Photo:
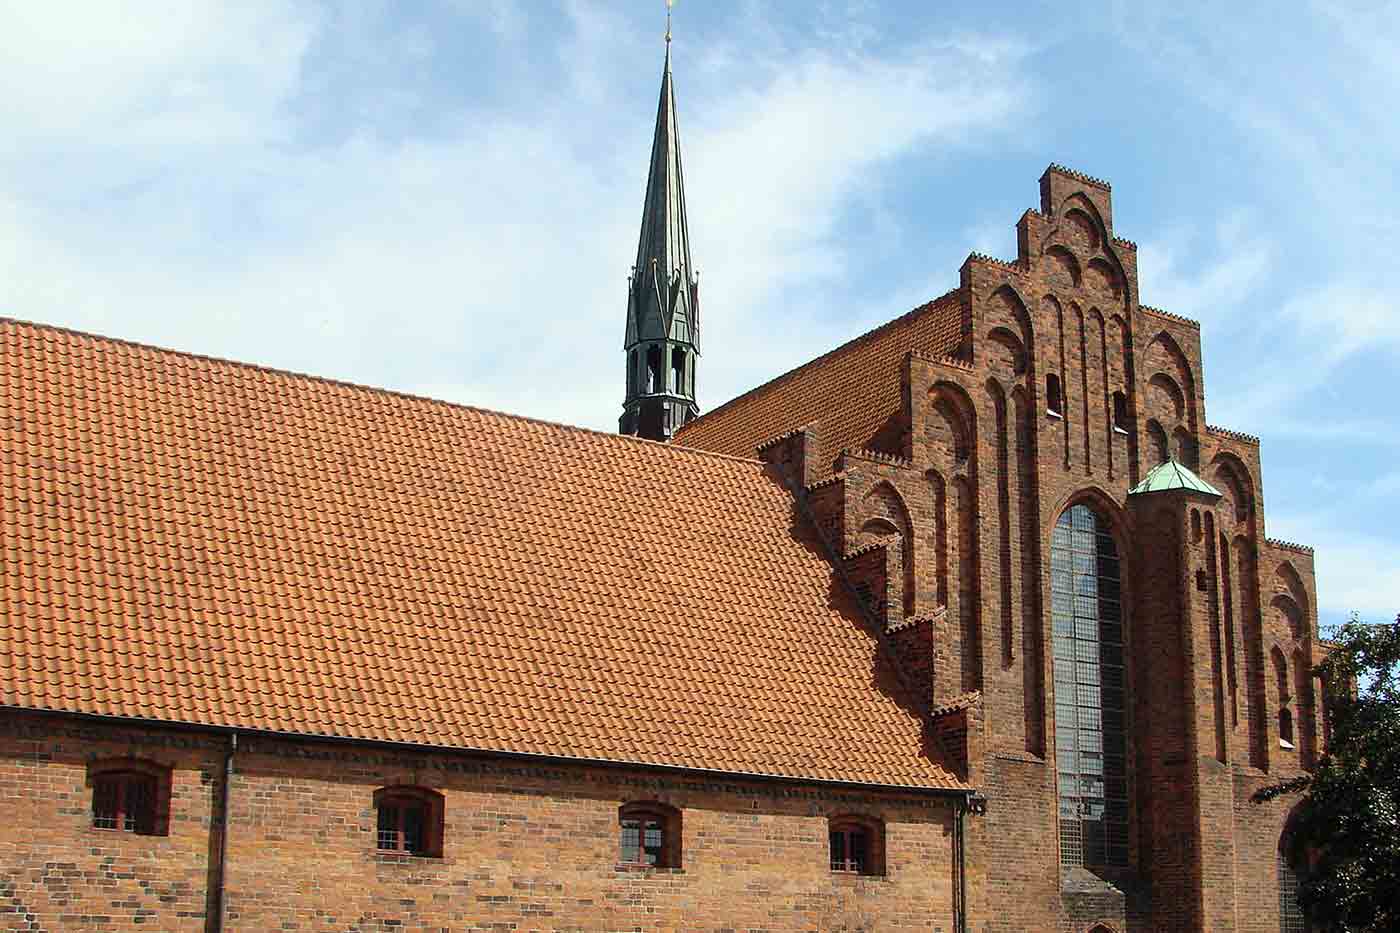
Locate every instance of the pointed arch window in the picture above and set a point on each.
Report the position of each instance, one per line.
(678, 371)
(654, 380)
(1090, 705)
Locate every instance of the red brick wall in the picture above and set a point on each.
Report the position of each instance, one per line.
(528, 847)
(59, 873)
(979, 474)
(962, 490)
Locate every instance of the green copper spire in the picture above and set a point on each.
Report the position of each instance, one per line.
(1173, 475)
(663, 291)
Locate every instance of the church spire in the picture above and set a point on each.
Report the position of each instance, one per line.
(663, 290)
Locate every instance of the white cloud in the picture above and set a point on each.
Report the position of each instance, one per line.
(1327, 328)
(1356, 571)
(1343, 319)
(145, 75)
(1207, 283)
(485, 263)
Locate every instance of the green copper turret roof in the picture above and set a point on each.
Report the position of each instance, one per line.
(1173, 475)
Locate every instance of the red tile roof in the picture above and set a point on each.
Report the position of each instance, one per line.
(187, 539)
(849, 394)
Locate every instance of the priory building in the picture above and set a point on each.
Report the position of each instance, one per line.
(970, 624)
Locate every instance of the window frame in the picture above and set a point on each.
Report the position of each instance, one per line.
(127, 774)
(847, 824)
(403, 797)
(1090, 662)
(668, 819)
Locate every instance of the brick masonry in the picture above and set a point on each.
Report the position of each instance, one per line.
(1221, 621)
(527, 846)
(942, 523)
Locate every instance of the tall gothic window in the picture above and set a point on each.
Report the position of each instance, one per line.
(1091, 748)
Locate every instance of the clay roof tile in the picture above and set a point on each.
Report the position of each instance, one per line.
(289, 553)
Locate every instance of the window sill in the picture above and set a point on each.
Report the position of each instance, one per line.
(632, 868)
(390, 857)
(113, 831)
(1118, 430)
(853, 876)
(1050, 413)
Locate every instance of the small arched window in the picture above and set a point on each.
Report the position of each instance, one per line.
(408, 821)
(1120, 412)
(1054, 398)
(649, 835)
(857, 845)
(131, 796)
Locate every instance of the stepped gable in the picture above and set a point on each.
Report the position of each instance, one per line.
(850, 393)
(198, 541)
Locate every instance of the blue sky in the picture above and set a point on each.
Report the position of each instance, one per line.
(443, 197)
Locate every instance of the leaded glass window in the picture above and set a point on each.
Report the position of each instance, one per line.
(649, 835)
(124, 801)
(1290, 915)
(1090, 726)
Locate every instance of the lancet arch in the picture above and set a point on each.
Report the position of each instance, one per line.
(1091, 682)
(885, 519)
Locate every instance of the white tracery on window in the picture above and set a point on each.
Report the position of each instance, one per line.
(1091, 748)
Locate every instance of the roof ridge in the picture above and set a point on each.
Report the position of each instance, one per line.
(937, 615)
(862, 549)
(978, 256)
(1076, 174)
(779, 438)
(947, 359)
(961, 701)
(831, 480)
(1230, 432)
(363, 387)
(879, 456)
(858, 339)
(1169, 316)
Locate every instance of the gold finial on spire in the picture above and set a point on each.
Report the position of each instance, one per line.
(669, 4)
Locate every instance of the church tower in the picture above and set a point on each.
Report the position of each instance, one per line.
(663, 291)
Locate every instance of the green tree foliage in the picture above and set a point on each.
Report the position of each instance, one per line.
(1345, 837)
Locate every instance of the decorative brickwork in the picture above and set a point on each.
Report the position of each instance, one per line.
(837, 597)
(984, 468)
(528, 846)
